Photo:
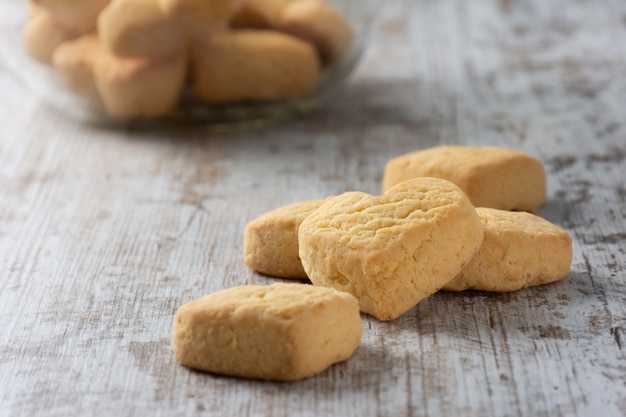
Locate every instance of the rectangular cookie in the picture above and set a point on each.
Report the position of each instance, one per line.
(270, 241)
(280, 332)
(519, 250)
(490, 176)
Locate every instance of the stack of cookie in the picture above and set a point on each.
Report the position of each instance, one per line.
(136, 58)
(450, 218)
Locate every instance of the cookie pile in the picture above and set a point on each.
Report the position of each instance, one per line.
(443, 222)
(138, 58)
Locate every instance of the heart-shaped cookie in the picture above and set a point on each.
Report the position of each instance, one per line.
(391, 251)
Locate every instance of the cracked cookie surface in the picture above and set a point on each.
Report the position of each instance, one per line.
(391, 251)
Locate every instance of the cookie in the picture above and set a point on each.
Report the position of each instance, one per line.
(394, 250)
(280, 332)
(74, 61)
(253, 65)
(139, 29)
(42, 35)
(319, 23)
(270, 241)
(79, 16)
(200, 18)
(490, 176)
(260, 14)
(132, 88)
(519, 250)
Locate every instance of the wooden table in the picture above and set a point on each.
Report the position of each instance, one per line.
(104, 233)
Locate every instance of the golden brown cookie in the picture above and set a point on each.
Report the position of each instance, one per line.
(393, 250)
(490, 176)
(74, 61)
(199, 18)
(253, 65)
(280, 332)
(42, 35)
(139, 29)
(80, 16)
(319, 23)
(270, 242)
(519, 250)
(258, 13)
(139, 87)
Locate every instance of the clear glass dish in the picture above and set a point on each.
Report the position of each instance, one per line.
(43, 81)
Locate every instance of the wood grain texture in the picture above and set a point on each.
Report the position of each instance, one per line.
(104, 233)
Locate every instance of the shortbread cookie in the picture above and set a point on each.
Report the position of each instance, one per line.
(199, 18)
(490, 176)
(254, 65)
(279, 332)
(79, 16)
(270, 241)
(42, 35)
(258, 13)
(318, 22)
(519, 250)
(139, 29)
(393, 250)
(74, 61)
(132, 88)
(205, 11)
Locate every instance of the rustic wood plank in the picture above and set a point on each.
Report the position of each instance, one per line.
(104, 233)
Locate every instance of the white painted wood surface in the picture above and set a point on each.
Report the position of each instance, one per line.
(104, 233)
